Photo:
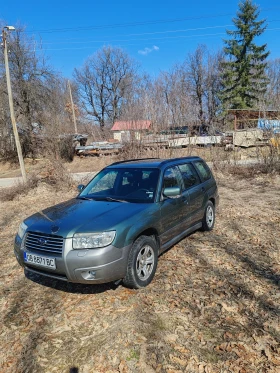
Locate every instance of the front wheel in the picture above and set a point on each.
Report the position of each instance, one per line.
(209, 217)
(142, 263)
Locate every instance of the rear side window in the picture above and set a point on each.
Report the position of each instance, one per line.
(203, 170)
(189, 175)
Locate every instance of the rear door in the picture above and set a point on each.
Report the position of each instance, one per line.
(206, 178)
(192, 185)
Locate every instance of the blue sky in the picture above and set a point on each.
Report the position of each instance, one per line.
(157, 34)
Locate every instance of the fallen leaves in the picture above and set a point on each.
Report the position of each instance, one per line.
(213, 306)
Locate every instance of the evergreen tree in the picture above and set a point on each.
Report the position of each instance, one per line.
(243, 77)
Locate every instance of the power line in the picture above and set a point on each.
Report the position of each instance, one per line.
(149, 39)
(145, 33)
(80, 41)
(131, 24)
(85, 28)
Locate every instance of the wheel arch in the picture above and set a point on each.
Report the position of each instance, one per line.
(151, 232)
(133, 278)
(212, 199)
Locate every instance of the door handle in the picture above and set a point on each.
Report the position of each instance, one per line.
(203, 189)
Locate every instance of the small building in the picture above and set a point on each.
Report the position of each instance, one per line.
(133, 129)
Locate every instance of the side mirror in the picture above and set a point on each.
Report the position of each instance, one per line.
(173, 192)
(80, 187)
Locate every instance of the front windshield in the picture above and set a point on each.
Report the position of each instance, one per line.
(123, 185)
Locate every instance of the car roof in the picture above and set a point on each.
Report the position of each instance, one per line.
(152, 162)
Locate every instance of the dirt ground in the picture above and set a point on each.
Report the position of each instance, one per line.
(213, 306)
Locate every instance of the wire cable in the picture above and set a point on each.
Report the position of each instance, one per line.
(157, 39)
(131, 24)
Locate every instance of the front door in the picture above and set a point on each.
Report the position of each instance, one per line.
(171, 208)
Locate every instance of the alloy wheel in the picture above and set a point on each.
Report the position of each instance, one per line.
(145, 262)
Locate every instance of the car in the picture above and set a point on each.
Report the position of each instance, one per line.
(120, 222)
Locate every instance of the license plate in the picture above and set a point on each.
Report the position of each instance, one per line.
(38, 260)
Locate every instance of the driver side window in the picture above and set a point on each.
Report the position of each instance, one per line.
(171, 178)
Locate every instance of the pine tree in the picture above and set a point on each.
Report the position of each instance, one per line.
(243, 77)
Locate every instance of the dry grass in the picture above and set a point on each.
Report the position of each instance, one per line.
(269, 156)
(93, 163)
(20, 188)
(251, 171)
(51, 172)
(213, 306)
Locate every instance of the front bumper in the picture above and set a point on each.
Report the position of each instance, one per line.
(87, 266)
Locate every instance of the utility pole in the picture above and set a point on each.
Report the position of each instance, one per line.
(72, 105)
(11, 105)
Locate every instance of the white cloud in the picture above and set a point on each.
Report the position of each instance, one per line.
(147, 50)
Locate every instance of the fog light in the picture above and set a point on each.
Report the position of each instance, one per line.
(92, 274)
(89, 275)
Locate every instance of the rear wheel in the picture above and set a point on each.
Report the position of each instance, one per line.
(142, 263)
(209, 217)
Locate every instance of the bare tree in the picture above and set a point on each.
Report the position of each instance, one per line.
(195, 67)
(7, 145)
(137, 103)
(105, 83)
(165, 100)
(32, 82)
(203, 71)
(273, 91)
(213, 87)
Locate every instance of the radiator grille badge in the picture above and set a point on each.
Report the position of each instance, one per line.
(55, 228)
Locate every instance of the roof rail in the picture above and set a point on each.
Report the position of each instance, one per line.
(180, 158)
(131, 160)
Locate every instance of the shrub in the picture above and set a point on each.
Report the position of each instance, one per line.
(54, 173)
(66, 148)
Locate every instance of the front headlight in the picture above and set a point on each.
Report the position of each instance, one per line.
(21, 229)
(93, 240)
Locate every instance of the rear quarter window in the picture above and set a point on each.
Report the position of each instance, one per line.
(203, 170)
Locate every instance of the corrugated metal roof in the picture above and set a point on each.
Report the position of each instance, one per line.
(131, 125)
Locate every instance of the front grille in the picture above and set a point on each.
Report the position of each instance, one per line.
(44, 243)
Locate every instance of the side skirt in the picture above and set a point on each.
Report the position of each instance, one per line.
(174, 240)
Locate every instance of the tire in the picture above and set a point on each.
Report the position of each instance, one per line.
(142, 263)
(208, 221)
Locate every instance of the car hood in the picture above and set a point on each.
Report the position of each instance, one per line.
(77, 215)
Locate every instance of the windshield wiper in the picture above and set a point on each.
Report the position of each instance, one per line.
(87, 198)
(115, 199)
(102, 199)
